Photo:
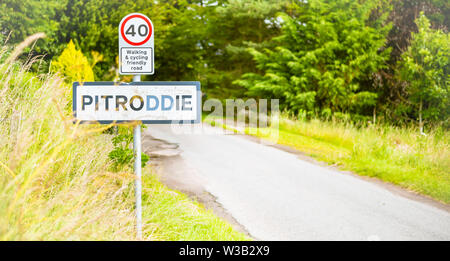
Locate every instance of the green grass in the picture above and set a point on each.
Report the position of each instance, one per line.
(179, 218)
(397, 155)
(57, 182)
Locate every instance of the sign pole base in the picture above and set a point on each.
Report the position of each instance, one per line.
(138, 172)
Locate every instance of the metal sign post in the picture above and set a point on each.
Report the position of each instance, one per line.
(136, 52)
(138, 171)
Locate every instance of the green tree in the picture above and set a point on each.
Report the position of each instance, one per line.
(232, 27)
(93, 25)
(425, 67)
(181, 50)
(402, 16)
(20, 19)
(324, 59)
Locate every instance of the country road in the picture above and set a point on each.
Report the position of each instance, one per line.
(277, 195)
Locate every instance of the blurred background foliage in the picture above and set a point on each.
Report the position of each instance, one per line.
(320, 57)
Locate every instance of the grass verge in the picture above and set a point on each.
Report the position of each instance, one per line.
(179, 218)
(57, 183)
(397, 155)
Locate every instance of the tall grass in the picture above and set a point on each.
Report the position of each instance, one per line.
(400, 155)
(56, 181)
(54, 178)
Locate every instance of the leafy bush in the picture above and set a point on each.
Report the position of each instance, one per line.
(326, 113)
(342, 117)
(122, 154)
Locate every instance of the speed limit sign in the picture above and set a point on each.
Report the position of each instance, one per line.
(136, 45)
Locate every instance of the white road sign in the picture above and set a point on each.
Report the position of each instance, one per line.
(136, 45)
(149, 102)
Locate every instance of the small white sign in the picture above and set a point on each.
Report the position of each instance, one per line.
(136, 45)
(149, 102)
(136, 60)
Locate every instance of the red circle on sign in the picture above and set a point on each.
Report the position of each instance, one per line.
(123, 27)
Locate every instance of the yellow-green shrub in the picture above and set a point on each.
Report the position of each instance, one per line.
(73, 65)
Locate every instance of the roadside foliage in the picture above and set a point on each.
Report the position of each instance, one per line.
(58, 183)
(363, 85)
(320, 57)
(425, 67)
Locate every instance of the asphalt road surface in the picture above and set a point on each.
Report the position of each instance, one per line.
(276, 195)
